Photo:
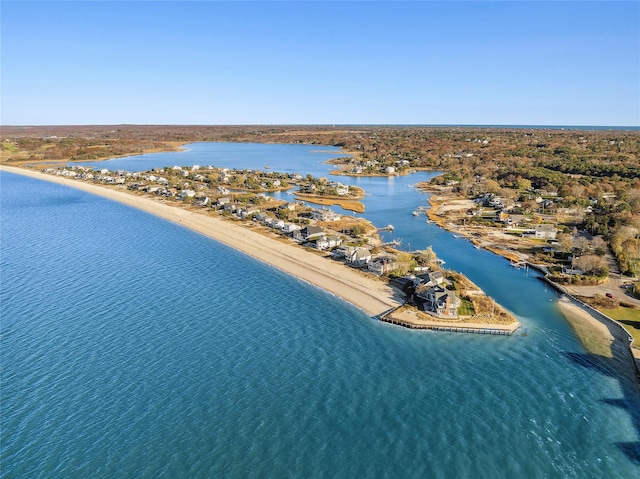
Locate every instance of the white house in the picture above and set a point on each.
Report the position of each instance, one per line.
(382, 265)
(325, 214)
(249, 211)
(310, 233)
(546, 231)
(184, 194)
(224, 200)
(327, 242)
(358, 256)
(342, 190)
(291, 227)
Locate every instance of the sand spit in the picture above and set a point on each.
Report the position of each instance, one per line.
(367, 293)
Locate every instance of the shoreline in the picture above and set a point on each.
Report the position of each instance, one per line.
(368, 294)
(372, 296)
(417, 320)
(598, 334)
(594, 335)
(174, 146)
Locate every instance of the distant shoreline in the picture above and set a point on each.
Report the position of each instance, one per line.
(365, 125)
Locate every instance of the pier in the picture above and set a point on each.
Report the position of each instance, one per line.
(389, 227)
(420, 210)
(395, 242)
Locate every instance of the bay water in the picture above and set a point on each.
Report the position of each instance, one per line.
(132, 347)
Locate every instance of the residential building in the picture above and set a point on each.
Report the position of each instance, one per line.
(546, 231)
(440, 301)
(357, 256)
(324, 214)
(382, 265)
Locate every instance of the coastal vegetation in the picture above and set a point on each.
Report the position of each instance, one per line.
(628, 317)
(565, 199)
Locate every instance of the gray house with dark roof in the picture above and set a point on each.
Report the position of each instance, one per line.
(440, 301)
(310, 233)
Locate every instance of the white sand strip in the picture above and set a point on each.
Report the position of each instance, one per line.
(365, 292)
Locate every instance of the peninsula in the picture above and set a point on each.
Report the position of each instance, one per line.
(430, 300)
(563, 199)
(373, 297)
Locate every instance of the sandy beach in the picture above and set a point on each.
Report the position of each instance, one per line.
(367, 293)
(596, 337)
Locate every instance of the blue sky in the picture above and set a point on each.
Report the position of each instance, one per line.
(329, 62)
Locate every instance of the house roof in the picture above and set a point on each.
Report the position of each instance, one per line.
(312, 230)
(436, 276)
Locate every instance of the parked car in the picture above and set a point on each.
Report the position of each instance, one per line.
(609, 295)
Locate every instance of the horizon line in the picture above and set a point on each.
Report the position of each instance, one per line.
(473, 125)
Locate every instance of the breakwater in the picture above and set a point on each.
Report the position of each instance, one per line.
(450, 329)
(388, 317)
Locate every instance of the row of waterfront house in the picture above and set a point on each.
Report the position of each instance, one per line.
(429, 291)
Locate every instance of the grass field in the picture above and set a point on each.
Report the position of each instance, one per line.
(466, 308)
(628, 317)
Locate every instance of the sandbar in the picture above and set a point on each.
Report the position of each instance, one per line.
(366, 293)
(605, 338)
(595, 336)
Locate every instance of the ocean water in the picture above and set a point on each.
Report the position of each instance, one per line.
(132, 347)
(277, 157)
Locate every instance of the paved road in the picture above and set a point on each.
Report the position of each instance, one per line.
(614, 286)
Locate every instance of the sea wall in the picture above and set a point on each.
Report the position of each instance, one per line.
(618, 331)
(413, 323)
(452, 329)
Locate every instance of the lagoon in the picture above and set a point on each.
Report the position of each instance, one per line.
(132, 347)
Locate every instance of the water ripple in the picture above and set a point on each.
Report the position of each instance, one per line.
(130, 354)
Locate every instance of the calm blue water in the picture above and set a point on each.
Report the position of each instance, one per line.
(278, 157)
(131, 347)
